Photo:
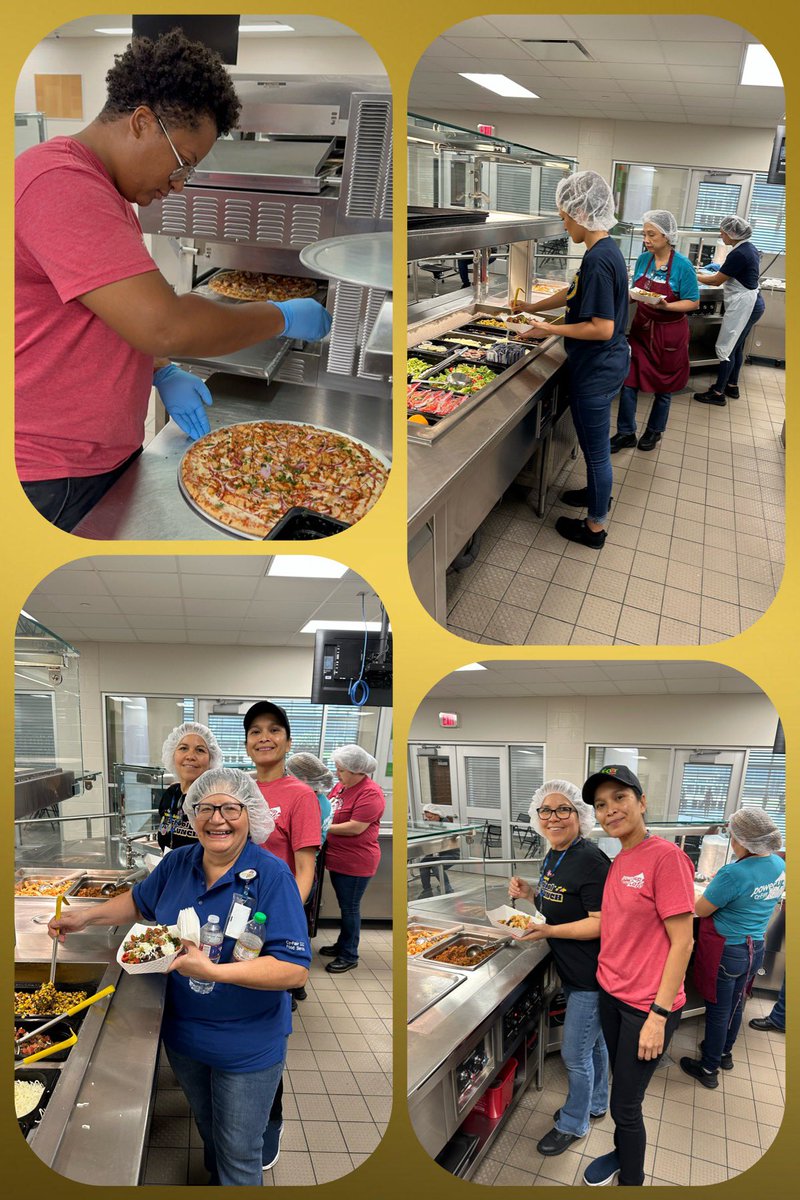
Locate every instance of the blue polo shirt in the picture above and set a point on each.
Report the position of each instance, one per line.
(235, 1028)
(745, 893)
(599, 289)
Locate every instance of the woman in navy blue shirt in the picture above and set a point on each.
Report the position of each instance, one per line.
(597, 349)
(739, 276)
(227, 1047)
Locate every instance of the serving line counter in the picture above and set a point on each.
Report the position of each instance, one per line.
(462, 1041)
(376, 903)
(146, 502)
(95, 1126)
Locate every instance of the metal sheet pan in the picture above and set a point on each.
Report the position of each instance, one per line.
(426, 986)
(447, 929)
(276, 166)
(234, 533)
(466, 939)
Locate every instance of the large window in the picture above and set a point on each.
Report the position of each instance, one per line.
(34, 730)
(652, 766)
(768, 215)
(765, 785)
(527, 776)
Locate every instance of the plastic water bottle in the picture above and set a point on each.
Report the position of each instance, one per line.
(251, 939)
(210, 944)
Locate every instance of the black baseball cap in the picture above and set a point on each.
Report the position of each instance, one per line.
(266, 708)
(622, 774)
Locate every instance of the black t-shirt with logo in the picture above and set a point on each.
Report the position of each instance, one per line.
(174, 829)
(599, 289)
(573, 891)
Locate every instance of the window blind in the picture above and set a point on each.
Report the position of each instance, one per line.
(765, 785)
(768, 215)
(704, 791)
(527, 776)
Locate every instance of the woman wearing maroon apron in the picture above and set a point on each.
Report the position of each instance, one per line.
(659, 335)
(734, 913)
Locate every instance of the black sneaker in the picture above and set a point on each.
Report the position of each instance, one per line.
(578, 498)
(726, 1060)
(340, 965)
(765, 1025)
(329, 951)
(693, 1067)
(592, 1116)
(578, 531)
(711, 397)
(300, 993)
(649, 440)
(621, 441)
(732, 391)
(555, 1142)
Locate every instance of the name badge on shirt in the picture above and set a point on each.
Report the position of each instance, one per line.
(238, 916)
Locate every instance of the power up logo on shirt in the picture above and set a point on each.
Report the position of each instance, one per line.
(634, 881)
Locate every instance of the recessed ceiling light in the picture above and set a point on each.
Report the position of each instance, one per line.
(313, 626)
(472, 667)
(272, 27)
(306, 566)
(500, 84)
(760, 68)
(116, 32)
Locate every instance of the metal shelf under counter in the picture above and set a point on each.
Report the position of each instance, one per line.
(146, 503)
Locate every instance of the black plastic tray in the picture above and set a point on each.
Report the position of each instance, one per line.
(31, 1075)
(436, 218)
(59, 1033)
(304, 525)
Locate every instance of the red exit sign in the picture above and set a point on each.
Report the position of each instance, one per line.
(448, 720)
(486, 130)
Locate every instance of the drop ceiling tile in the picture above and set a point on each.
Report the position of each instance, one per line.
(139, 621)
(650, 87)
(224, 564)
(532, 26)
(81, 605)
(166, 563)
(691, 92)
(174, 637)
(73, 583)
(722, 54)
(117, 635)
(80, 564)
(99, 620)
(704, 74)
(40, 602)
(268, 639)
(126, 583)
(590, 70)
(219, 587)
(477, 27)
(488, 48)
(637, 70)
(222, 620)
(148, 605)
(612, 28)
(261, 612)
(700, 28)
(625, 52)
(196, 606)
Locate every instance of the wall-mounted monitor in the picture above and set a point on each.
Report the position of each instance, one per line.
(217, 33)
(338, 656)
(777, 166)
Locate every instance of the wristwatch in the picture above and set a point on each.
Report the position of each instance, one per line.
(659, 1011)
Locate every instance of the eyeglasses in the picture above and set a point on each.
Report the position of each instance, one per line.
(562, 812)
(185, 171)
(230, 810)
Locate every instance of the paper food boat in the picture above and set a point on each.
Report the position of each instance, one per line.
(159, 965)
(644, 297)
(498, 915)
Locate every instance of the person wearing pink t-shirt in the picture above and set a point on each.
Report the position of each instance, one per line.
(296, 839)
(352, 850)
(645, 945)
(96, 322)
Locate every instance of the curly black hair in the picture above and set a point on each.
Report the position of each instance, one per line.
(182, 81)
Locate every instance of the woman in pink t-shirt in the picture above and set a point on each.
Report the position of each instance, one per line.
(645, 944)
(352, 851)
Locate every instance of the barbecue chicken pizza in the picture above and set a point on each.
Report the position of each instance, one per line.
(253, 285)
(248, 476)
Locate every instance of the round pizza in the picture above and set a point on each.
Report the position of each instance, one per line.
(254, 285)
(248, 476)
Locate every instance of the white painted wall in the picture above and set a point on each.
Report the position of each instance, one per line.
(92, 57)
(567, 723)
(597, 143)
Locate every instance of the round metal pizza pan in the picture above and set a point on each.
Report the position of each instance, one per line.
(362, 258)
(254, 537)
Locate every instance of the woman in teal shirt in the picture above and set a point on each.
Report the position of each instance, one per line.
(659, 335)
(735, 911)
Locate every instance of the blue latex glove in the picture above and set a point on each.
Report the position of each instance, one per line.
(183, 396)
(305, 319)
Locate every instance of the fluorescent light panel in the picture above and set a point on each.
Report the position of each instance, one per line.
(306, 566)
(500, 84)
(272, 27)
(313, 626)
(760, 68)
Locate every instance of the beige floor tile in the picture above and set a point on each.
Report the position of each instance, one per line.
(709, 1147)
(590, 637)
(547, 631)
(671, 1166)
(704, 1173)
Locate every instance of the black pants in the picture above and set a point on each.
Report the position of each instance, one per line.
(427, 874)
(630, 1076)
(65, 502)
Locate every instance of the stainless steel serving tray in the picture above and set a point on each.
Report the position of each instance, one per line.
(463, 939)
(97, 879)
(49, 873)
(235, 533)
(447, 930)
(426, 986)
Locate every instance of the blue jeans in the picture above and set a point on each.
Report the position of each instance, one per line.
(737, 967)
(349, 889)
(591, 416)
(728, 372)
(659, 413)
(585, 1056)
(778, 1013)
(230, 1110)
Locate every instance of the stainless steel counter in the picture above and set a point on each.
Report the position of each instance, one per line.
(376, 903)
(434, 1035)
(146, 504)
(94, 1128)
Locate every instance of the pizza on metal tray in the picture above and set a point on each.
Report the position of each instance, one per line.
(254, 285)
(247, 476)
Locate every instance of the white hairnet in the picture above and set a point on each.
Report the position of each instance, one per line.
(755, 830)
(175, 738)
(587, 198)
(664, 221)
(311, 770)
(227, 781)
(737, 228)
(572, 794)
(437, 810)
(355, 758)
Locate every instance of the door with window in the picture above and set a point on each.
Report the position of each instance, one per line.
(706, 785)
(717, 194)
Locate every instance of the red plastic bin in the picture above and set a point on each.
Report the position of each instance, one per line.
(496, 1099)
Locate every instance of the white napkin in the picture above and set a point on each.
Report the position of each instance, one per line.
(189, 925)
